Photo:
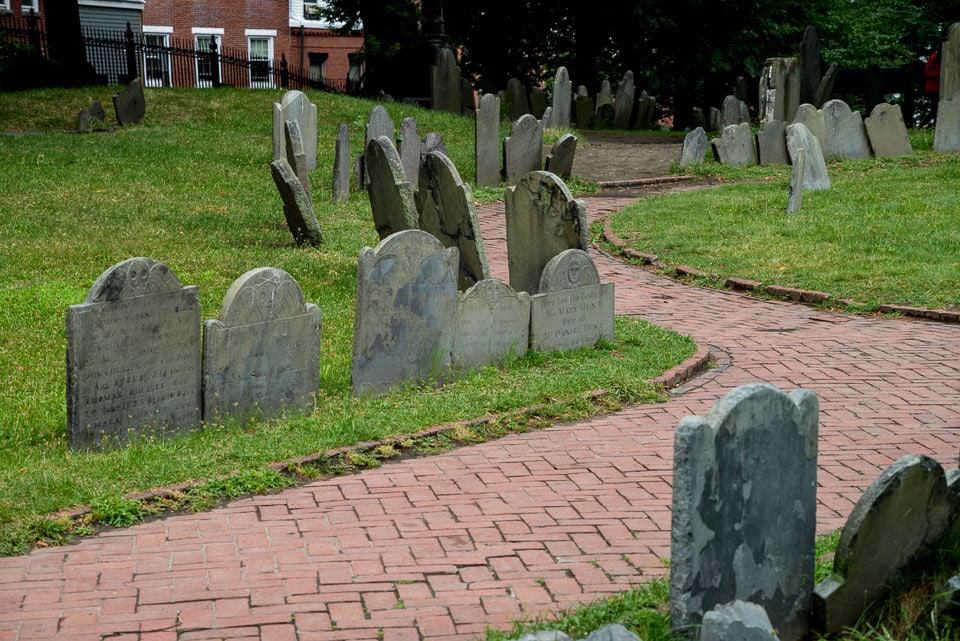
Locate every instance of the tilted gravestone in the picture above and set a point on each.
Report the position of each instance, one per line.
(694, 148)
(296, 157)
(294, 105)
(410, 150)
(744, 508)
(815, 177)
(92, 117)
(445, 82)
(562, 99)
(736, 146)
(572, 308)
(405, 312)
(825, 89)
(523, 148)
(487, 150)
(623, 106)
(946, 136)
(391, 196)
(341, 165)
(493, 322)
(130, 103)
(261, 356)
(447, 210)
(779, 89)
(543, 219)
(846, 135)
(887, 131)
(297, 206)
(560, 159)
(902, 516)
(812, 117)
(133, 356)
(772, 143)
(517, 104)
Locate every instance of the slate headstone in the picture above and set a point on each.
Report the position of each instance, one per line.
(547, 121)
(133, 357)
(716, 118)
(730, 112)
(605, 97)
(950, 63)
(694, 148)
(445, 82)
(560, 159)
(737, 621)
(772, 143)
(517, 104)
(812, 117)
(846, 135)
(815, 177)
(583, 111)
(810, 63)
(799, 169)
(543, 219)
(433, 141)
(379, 124)
(294, 105)
(405, 312)
(825, 88)
(572, 308)
(410, 149)
(946, 136)
(735, 146)
(623, 106)
(130, 103)
(744, 508)
(447, 210)
(562, 99)
(391, 196)
(779, 89)
(297, 206)
(341, 165)
(523, 148)
(92, 117)
(887, 131)
(487, 160)
(646, 108)
(493, 322)
(261, 356)
(296, 157)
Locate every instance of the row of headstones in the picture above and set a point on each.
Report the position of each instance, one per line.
(129, 104)
(744, 518)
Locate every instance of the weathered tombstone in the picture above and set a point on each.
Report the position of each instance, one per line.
(737, 621)
(447, 210)
(946, 136)
(795, 197)
(341, 165)
(133, 356)
(812, 117)
(779, 89)
(405, 312)
(433, 142)
(410, 149)
(261, 356)
(735, 146)
(445, 82)
(730, 114)
(562, 99)
(772, 143)
(809, 64)
(391, 195)
(468, 99)
(902, 516)
(646, 107)
(379, 124)
(815, 177)
(130, 103)
(487, 150)
(560, 159)
(358, 171)
(605, 115)
(887, 131)
(493, 321)
(623, 106)
(605, 97)
(523, 148)
(92, 117)
(547, 121)
(716, 117)
(825, 88)
(294, 105)
(950, 63)
(517, 104)
(846, 135)
(583, 111)
(572, 308)
(694, 148)
(543, 219)
(744, 508)
(297, 207)
(296, 157)
(538, 102)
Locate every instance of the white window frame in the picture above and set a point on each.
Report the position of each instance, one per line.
(33, 5)
(261, 34)
(4, 5)
(165, 65)
(216, 33)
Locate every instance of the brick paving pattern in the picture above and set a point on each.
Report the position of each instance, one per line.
(440, 548)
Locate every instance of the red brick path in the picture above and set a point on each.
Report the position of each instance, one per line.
(439, 548)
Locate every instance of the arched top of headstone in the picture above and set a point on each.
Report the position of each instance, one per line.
(262, 294)
(837, 108)
(525, 123)
(380, 123)
(494, 293)
(131, 278)
(292, 96)
(402, 253)
(567, 270)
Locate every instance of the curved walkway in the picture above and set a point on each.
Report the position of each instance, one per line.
(439, 548)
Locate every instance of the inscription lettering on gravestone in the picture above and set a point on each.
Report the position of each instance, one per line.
(493, 321)
(262, 355)
(133, 356)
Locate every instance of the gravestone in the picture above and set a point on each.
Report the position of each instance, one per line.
(379, 124)
(92, 117)
(810, 64)
(737, 621)
(772, 143)
(902, 516)
(410, 149)
(297, 206)
(447, 211)
(950, 63)
(538, 102)
(605, 97)
(731, 113)
(716, 117)
(517, 104)
(812, 117)
(887, 131)
(341, 165)
(946, 136)
(583, 111)
(296, 157)
(294, 105)
(623, 106)
(846, 135)
(133, 357)
(735, 146)
(391, 196)
(560, 159)
(445, 82)
(562, 99)
(523, 148)
(572, 308)
(433, 142)
(744, 508)
(130, 104)
(698, 118)
(605, 115)
(405, 312)
(487, 150)
(815, 177)
(694, 148)
(797, 172)
(825, 88)
(468, 99)
(543, 220)
(547, 121)
(779, 89)
(646, 107)
(493, 322)
(261, 356)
